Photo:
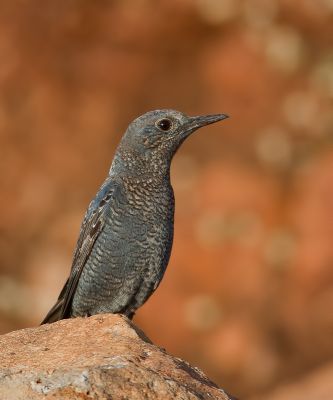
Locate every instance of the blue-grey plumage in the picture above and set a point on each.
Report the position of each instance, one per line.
(126, 236)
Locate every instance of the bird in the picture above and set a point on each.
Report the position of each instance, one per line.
(126, 235)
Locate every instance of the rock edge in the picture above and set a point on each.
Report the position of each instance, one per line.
(101, 357)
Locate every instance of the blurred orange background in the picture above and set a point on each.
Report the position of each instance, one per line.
(248, 294)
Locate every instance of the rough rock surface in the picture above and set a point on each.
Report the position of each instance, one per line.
(101, 357)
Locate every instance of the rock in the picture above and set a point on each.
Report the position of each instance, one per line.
(101, 357)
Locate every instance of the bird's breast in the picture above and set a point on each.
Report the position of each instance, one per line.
(143, 213)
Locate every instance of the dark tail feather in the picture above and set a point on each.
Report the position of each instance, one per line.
(55, 314)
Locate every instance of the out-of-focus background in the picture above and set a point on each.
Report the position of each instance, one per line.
(248, 295)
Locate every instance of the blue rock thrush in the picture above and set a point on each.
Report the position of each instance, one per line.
(126, 235)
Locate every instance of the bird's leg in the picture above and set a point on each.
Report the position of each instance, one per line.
(130, 315)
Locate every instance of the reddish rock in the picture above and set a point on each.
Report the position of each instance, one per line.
(104, 357)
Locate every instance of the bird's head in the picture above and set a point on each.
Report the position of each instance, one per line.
(152, 139)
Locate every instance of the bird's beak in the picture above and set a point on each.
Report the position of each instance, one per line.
(202, 120)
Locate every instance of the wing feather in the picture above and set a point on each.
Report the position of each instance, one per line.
(92, 225)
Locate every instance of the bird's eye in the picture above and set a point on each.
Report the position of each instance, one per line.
(164, 124)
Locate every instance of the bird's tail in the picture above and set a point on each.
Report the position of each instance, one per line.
(55, 314)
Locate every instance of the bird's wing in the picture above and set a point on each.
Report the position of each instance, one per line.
(91, 227)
